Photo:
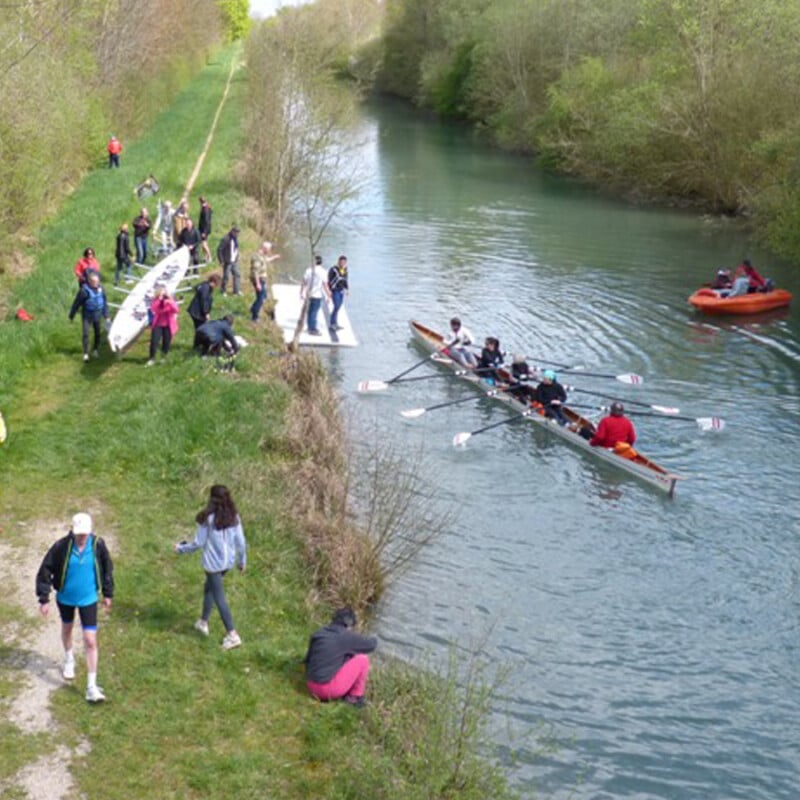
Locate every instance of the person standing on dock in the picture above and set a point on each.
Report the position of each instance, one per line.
(339, 285)
(259, 276)
(141, 232)
(80, 569)
(315, 288)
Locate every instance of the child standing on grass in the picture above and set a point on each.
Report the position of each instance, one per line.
(221, 537)
(165, 322)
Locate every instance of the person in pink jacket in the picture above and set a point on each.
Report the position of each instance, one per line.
(165, 322)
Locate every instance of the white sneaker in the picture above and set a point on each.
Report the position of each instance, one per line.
(150, 363)
(68, 670)
(94, 694)
(231, 640)
(85, 356)
(202, 626)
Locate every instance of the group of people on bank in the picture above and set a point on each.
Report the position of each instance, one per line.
(79, 568)
(548, 395)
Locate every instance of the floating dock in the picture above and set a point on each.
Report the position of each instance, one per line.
(287, 312)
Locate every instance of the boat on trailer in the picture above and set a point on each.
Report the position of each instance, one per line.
(639, 465)
(132, 317)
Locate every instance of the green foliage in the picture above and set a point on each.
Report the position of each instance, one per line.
(236, 18)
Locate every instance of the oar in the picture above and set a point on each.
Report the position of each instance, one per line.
(378, 386)
(704, 423)
(413, 413)
(463, 437)
(660, 409)
(626, 377)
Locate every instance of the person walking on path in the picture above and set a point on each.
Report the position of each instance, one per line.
(315, 288)
(339, 286)
(202, 303)
(80, 569)
(259, 276)
(165, 323)
(337, 664)
(141, 231)
(221, 538)
(87, 263)
(228, 257)
(114, 149)
(204, 227)
(92, 303)
(123, 255)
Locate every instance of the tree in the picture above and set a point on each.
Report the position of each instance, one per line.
(236, 18)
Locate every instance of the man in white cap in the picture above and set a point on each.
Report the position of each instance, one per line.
(79, 568)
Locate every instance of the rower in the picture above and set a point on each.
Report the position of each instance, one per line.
(520, 372)
(614, 429)
(491, 359)
(551, 394)
(457, 344)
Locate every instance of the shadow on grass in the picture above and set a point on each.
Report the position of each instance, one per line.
(156, 617)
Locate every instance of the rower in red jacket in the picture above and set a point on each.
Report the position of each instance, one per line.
(614, 428)
(757, 283)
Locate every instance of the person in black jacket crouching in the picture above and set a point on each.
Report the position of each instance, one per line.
(336, 661)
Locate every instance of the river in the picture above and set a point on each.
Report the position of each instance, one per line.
(654, 640)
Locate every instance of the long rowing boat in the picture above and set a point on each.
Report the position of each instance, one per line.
(639, 465)
(132, 319)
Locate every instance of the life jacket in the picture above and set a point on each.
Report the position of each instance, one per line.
(95, 301)
(625, 450)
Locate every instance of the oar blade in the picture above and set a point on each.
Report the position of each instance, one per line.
(710, 424)
(630, 378)
(666, 409)
(372, 386)
(460, 439)
(412, 413)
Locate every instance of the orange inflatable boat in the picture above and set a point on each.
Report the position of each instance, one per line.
(710, 302)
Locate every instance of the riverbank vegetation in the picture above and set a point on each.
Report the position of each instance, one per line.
(692, 102)
(138, 448)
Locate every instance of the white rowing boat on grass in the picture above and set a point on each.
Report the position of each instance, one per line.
(131, 318)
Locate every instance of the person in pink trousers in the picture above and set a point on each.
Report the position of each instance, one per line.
(337, 664)
(165, 322)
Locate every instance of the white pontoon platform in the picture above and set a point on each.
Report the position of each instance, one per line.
(287, 312)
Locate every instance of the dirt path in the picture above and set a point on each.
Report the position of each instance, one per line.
(33, 653)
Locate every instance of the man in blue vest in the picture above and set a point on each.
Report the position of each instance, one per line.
(91, 300)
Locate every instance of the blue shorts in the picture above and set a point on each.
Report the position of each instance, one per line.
(88, 615)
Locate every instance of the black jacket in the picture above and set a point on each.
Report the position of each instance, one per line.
(330, 647)
(204, 221)
(53, 570)
(123, 246)
(203, 299)
(217, 331)
(546, 393)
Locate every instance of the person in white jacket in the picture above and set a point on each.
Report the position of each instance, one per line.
(221, 538)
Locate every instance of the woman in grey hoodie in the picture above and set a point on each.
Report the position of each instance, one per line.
(220, 535)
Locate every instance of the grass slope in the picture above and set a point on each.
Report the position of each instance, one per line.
(139, 448)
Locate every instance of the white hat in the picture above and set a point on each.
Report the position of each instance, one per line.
(81, 523)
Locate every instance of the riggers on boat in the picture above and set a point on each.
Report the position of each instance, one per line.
(629, 460)
(710, 301)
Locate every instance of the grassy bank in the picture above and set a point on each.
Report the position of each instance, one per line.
(139, 448)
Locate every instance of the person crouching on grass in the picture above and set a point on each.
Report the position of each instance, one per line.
(221, 537)
(336, 662)
(79, 568)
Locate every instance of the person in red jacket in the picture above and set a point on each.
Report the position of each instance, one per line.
(114, 149)
(88, 263)
(614, 428)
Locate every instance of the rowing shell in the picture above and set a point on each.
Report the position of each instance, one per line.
(131, 319)
(640, 466)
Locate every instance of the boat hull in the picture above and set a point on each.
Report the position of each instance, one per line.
(642, 467)
(132, 318)
(709, 302)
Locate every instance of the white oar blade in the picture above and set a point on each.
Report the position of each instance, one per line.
(412, 413)
(372, 386)
(711, 424)
(666, 409)
(460, 439)
(634, 380)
